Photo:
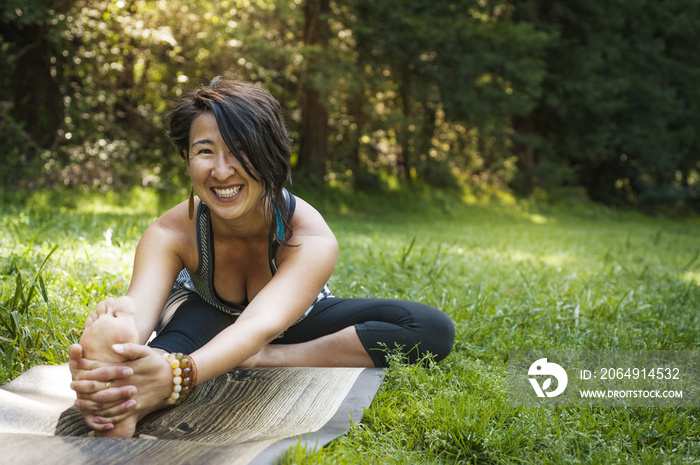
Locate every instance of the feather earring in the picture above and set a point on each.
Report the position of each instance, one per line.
(191, 204)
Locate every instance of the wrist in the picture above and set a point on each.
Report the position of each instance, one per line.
(184, 377)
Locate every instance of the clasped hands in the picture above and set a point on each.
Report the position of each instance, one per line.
(108, 393)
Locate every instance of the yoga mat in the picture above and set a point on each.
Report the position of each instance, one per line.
(243, 417)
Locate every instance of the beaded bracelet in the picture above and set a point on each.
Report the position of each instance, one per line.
(184, 377)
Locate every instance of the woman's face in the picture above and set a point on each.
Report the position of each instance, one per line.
(218, 177)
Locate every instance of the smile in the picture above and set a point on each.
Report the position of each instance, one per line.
(227, 192)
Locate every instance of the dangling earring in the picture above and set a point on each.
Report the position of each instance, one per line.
(191, 205)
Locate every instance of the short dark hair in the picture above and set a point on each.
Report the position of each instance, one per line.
(251, 122)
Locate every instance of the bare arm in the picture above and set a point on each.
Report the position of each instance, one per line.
(157, 262)
(302, 272)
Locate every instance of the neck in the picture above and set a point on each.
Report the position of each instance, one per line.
(251, 227)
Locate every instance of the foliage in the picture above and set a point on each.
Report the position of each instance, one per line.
(527, 95)
(124, 63)
(619, 107)
(454, 74)
(523, 276)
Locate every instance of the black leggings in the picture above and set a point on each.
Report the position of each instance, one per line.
(381, 324)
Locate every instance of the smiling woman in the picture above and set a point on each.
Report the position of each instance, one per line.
(218, 177)
(243, 283)
(249, 127)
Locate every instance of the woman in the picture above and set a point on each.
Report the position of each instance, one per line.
(250, 265)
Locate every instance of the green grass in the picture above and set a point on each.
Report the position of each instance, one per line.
(58, 257)
(518, 276)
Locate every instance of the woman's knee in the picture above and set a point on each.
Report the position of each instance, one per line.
(427, 330)
(441, 334)
(436, 332)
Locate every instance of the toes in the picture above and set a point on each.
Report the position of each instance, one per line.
(105, 307)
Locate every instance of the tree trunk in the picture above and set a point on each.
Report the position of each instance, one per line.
(524, 182)
(37, 103)
(37, 99)
(404, 162)
(357, 112)
(314, 130)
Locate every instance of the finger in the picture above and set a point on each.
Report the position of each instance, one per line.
(117, 413)
(96, 391)
(102, 375)
(90, 420)
(132, 351)
(90, 407)
(88, 387)
(102, 401)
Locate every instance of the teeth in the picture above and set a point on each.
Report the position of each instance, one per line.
(230, 192)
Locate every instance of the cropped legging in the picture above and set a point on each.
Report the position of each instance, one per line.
(383, 326)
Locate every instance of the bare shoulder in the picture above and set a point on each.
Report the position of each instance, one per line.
(307, 221)
(173, 231)
(318, 246)
(174, 221)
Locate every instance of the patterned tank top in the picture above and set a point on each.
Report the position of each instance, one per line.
(202, 280)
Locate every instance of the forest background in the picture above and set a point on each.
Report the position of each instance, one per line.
(596, 100)
(401, 112)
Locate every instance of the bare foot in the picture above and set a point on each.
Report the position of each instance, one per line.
(111, 323)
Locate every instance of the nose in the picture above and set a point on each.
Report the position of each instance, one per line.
(223, 166)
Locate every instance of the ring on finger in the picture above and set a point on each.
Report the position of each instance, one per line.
(108, 384)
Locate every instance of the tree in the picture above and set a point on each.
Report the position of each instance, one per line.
(30, 38)
(314, 130)
(123, 63)
(453, 68)
(617, 109)
(532, 93)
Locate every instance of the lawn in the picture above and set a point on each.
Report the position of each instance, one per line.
(522, 275)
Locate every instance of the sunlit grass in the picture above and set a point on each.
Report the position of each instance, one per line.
(88, 247)
(521, 276)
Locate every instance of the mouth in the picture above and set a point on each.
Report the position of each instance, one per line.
(227, 192)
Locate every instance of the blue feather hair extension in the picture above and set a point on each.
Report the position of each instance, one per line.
(280, 223)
